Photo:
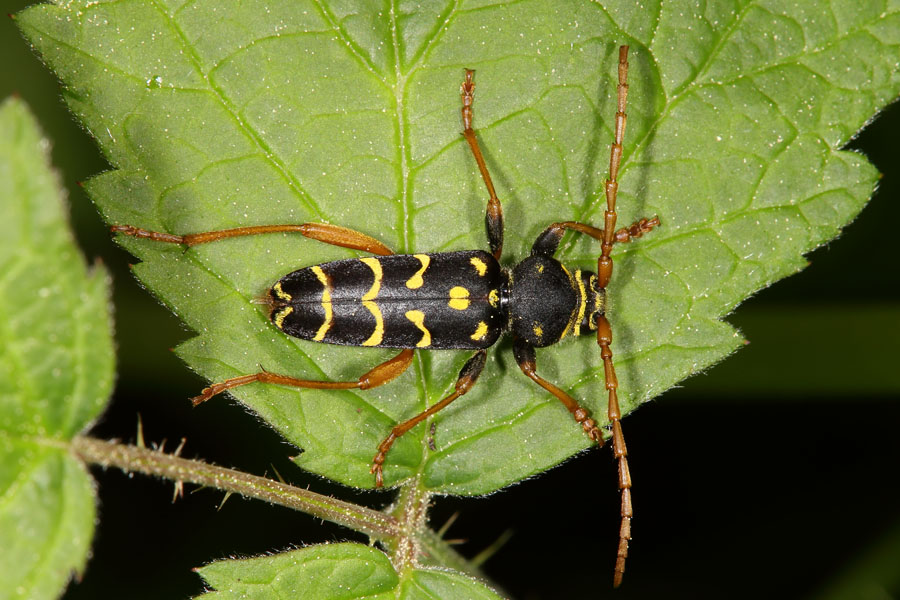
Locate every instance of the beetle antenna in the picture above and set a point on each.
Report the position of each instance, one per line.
(604, 330)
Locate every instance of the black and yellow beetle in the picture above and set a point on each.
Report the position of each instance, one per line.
(451, 300)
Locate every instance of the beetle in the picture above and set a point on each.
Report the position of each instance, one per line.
(463, 300)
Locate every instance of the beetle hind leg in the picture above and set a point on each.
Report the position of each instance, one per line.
(322, 232)
(379, 375)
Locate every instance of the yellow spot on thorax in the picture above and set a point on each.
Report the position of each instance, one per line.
(416, 281)
(368, 301)
(479, 266)
(480, 331)
(459, 298)
(418, 319)
(281, 314)
(538, 330)
(326, 303)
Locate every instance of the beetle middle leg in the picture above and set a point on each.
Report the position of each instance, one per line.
(467, 378)
(493, 218)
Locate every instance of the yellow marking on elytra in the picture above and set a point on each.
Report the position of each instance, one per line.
(459, 298)
(540, 268)
(281, 314)
(479, 265)
(567, 329)
(326, 303)
(416, 281)
(480, 331)
(368, 301)
(582, 304)
(538, 330)
(418, 319)
(494, 298)
(281, 293)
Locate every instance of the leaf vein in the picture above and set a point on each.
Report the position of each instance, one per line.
(223, 99)
(347, 39)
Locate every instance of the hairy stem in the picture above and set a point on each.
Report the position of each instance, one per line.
(153, 462)
(409, 533)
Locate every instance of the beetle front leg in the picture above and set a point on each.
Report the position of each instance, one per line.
(548, 241)
(525, 358)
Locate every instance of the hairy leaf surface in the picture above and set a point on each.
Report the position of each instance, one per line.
(334, 572)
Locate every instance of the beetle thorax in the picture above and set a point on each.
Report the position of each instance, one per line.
(547, 301)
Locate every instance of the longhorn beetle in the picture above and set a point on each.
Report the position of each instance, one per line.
(451, 300)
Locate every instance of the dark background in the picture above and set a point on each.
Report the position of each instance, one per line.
(774, 473)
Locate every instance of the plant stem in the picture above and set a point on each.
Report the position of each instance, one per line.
(410, 511)
(153, 462)
(418, 545)
(408, 535)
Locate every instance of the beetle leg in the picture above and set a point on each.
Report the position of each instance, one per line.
(323, 232)
(548, 241)
(525, 358)
(381, 374)
(635, 230)
(493, 219)
(467, 378)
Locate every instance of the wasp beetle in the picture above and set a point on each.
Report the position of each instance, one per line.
(452, 300)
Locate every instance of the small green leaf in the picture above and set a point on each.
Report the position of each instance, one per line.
(425, 584)
(56, 369)
(325, 571)
(333, 571)
(348, 112)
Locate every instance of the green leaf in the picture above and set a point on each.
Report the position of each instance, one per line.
(56, 369)
(347, 112)
(333, 571)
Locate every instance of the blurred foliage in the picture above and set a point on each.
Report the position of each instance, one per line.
(56, 370)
